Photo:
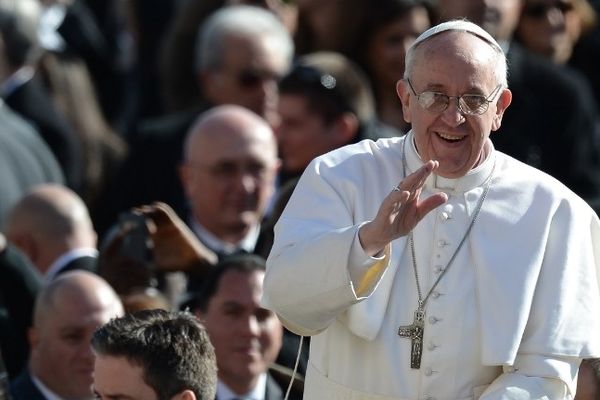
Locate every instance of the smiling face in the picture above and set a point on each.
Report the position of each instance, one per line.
(453, 63)
(246, 337)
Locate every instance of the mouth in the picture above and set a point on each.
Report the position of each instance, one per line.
(450, 138)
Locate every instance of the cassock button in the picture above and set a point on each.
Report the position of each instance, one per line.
(431, 346)
(442, 243)
(428, 371)
(444, 216)
(435, 294)
(438, 269)
(433, 320)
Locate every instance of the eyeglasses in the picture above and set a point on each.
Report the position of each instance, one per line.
(252, 78)
(540, 10)
(227, 171)
(469, 104)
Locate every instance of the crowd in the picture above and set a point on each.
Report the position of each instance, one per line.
(148, 151)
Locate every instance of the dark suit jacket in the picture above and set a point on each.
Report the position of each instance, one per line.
(32, 102)
(23, 388)
(273, 391)
(551, 123)
(19, 285)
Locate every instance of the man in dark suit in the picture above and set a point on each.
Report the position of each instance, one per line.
(246, 337)
(22, 89)
(552, 121)
(19, 285)
(67, 313)
(52, 226)
(228, 175)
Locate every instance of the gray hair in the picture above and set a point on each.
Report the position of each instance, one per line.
(240, 20)
(501, 68)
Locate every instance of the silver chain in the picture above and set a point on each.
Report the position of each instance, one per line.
(422, 300)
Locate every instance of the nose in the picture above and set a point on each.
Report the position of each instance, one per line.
(251, 327)
(452, 115)
(247, 182)
(86, 353)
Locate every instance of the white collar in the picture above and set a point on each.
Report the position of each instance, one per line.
(474, 178)
(248, 243)
(257, 393)
(66, 258)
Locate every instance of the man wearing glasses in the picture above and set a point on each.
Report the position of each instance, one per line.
(433, 266)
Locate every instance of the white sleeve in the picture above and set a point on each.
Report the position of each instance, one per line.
(535, 377)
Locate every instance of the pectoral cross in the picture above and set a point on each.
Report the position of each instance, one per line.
(415, 333)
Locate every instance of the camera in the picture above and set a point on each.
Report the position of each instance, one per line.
(137, 244)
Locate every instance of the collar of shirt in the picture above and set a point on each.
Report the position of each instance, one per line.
(257, 393)
(219, 246)
(48, 394)
(474, 178)
(66, 258)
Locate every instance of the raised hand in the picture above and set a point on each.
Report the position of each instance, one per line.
(400, 211)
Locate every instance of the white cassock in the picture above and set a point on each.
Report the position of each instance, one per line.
(511, 319)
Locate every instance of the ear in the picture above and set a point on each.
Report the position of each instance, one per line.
(404, 93)
(27, 245)
(501, 105)
(185, 395)
(345, 128)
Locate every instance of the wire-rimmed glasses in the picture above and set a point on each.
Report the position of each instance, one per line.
(469, 104)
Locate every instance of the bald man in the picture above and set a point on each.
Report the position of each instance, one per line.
(52, 226)
(66, 314)
(228, 174)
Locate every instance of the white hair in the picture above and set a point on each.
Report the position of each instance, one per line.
(461, 25)
(249, 21)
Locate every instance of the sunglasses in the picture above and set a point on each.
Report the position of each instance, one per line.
(252, 78)
(540, 10)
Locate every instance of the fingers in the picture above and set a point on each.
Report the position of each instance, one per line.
(414, 182)
(431, 202)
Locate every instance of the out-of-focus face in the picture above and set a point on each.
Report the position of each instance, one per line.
(498, 17)
(61, 353)
(302, 134)
(550, 28)
(117, 378)
(387, 48)
(246, 337)
(229, 179)
(248, 77)
(454, 64)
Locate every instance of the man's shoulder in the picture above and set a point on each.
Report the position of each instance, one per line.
(526, 179)
(364, 151)
(23, 388)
